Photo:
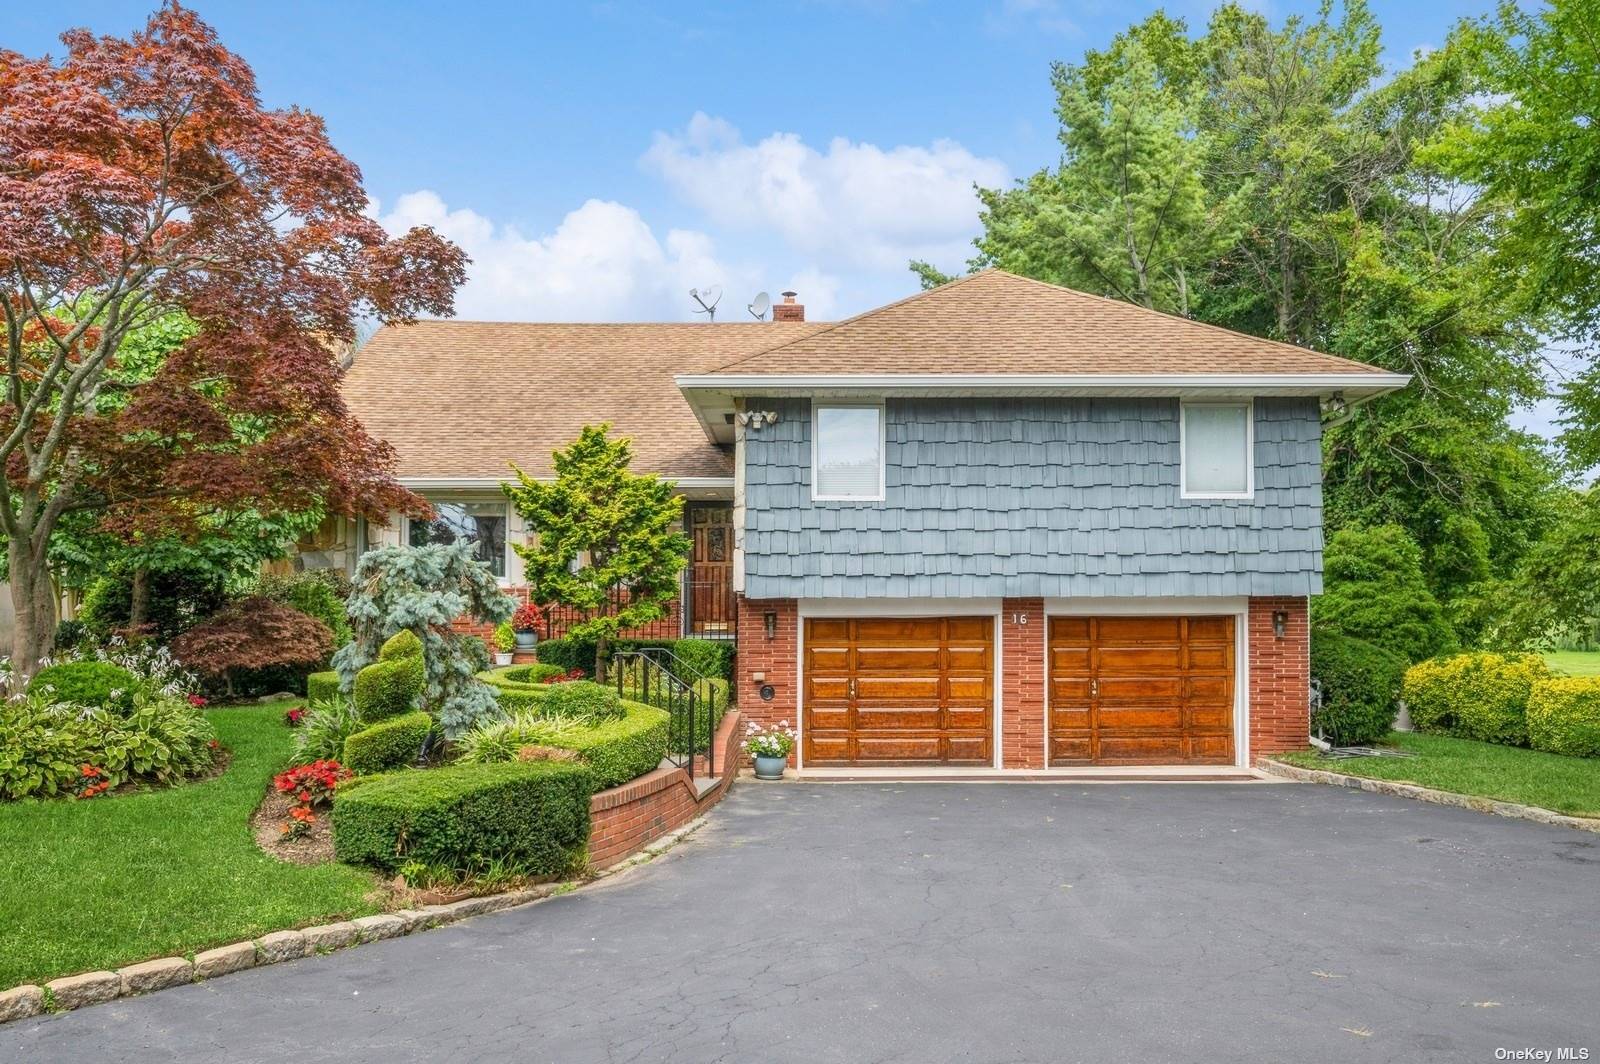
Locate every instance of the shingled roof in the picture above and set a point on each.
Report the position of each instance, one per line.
(994, 322)
(461, 399)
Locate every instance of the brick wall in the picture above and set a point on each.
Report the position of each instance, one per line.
(1022, 683)
(1280, 676)
(626, 819)
(773, 658)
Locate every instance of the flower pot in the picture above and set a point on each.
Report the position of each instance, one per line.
(527, 640)
(770, 768)
(502, 657)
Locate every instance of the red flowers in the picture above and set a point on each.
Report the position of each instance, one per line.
(197, 702)
(310, 785)
(91, 781)
(571, 674)
(293, 717)
(528, 617)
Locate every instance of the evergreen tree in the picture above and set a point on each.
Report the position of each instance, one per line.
(609, 542)
(1375, 591)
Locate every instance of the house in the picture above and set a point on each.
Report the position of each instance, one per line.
(999, 525)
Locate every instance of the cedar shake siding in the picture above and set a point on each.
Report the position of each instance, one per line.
(1011, 498)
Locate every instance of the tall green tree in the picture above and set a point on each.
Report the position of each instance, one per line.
(608, 541)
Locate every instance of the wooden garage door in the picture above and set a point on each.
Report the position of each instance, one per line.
(1141, 690)
(899, 690)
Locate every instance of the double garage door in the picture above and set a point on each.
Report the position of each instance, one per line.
(1121, 690)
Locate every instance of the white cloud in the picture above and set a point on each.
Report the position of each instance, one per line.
(854, 205)
(602, 263)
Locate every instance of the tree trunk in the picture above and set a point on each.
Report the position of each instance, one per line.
(33, 634)
(602, 649)
(139, 602)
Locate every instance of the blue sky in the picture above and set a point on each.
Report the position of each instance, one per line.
(599, 159)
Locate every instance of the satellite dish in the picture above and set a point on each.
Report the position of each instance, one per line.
(758, 309)
(707, 298)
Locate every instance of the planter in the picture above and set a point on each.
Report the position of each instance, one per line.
(770, 768)
(527, 640)
(502, 657)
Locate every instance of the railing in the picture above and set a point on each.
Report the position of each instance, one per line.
(657, 677)
(711, 608)
(706, 610)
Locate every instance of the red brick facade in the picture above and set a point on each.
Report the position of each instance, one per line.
(626, 819)
(1022, 683)
(774, 659)
(1279, 674)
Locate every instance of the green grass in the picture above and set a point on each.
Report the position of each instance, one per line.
(110, 881)
(1568, 785)
(1575, 662)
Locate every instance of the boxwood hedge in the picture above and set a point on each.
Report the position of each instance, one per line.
(87, 683)
(322, 686)
(392, 743)
(1564, 715)
(389, 688)
(1474, 696)
(1359, 683)
(531, 817)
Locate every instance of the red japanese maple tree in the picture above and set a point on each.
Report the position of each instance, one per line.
(141, 178)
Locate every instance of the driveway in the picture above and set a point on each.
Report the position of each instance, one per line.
(945, 922)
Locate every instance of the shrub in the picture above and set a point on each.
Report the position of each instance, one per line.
(567, 652)
(87, 683)
(69, 634)
(403, 644)
(322, 685)
(538, 672)
(392, 743)
(388, 688)
(505, 637)
(1564, 715)
(178, 601)
(583, 698)
(617, 750)
(527, 618)
(253, 633)
(532, 816)
(318, 593)
(327, 724)
(1359, 683)
(1474, 696)
(1375, 591)
(707, 657)
(45, 746)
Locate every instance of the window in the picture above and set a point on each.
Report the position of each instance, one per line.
(483, 524)
(847, 452)
(1217, 440)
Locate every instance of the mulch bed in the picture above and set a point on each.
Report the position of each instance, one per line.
(315, 847)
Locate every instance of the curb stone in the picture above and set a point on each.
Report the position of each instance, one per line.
(1478, 804)
(90, 988)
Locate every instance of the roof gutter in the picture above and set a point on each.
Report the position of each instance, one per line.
(492, 484)
(1375, 382)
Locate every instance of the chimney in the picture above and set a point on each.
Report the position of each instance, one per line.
(789, 310)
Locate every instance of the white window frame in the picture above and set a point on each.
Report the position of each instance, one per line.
(883, 450)
(1249, 491)
(504, 579)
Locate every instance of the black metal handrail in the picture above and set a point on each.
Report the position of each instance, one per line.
(657, 677)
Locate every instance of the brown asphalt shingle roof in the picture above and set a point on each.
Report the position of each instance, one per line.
(462, 399)
(998, 322)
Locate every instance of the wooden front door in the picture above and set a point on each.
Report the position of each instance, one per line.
(899, 690)
(711, 601)
(1141, 690)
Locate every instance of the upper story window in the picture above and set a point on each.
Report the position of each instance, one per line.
(483, 524)
(847, 445)
(1217, 442)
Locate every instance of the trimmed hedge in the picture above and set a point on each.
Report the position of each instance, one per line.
(87, 683)
(582, 698)
(392, 743)
(1474, 696)
(531, 817)
(538, 672)
(1359, 684)
(625, 749)
(322, 686)
(388, 688)
(403, 644)
(515, 696)
(1564, 715)
(568, 653)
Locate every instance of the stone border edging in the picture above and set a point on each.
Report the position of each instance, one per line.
(92, 988)
(1535, 813)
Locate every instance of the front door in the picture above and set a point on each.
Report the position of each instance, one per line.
(904, 690)
(711, 600)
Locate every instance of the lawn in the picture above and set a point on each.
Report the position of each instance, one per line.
(109, 881)
(1507, 773)
(1575, 662)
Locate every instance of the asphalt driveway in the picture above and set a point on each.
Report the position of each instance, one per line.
(939, 922)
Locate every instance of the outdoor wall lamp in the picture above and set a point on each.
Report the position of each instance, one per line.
(769, 621)
(1280, 623)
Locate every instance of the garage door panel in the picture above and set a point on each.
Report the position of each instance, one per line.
(1141, 690)
(820, 632)
(903, 690)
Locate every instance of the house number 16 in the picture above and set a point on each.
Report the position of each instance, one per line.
(1019, 618)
